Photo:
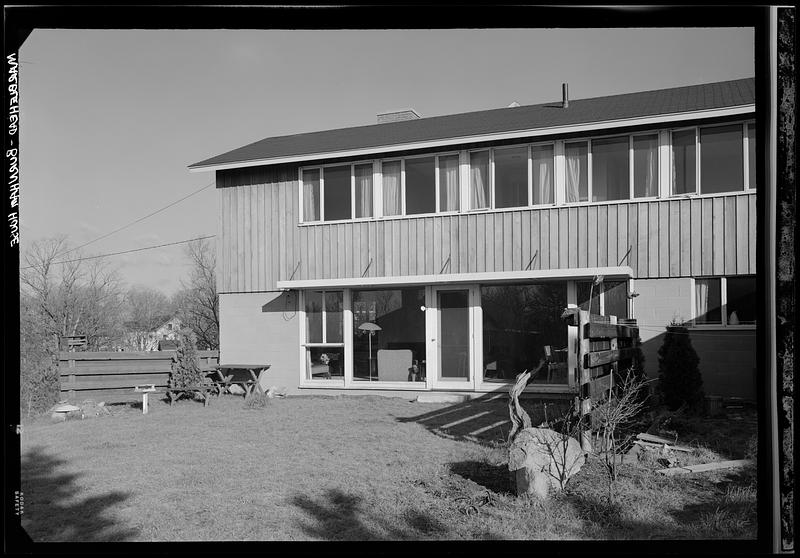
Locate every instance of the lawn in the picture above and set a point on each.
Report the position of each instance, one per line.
(354, 468)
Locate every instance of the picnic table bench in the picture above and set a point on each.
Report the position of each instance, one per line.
(245, 375)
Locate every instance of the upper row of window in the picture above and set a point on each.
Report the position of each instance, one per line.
(703, 160)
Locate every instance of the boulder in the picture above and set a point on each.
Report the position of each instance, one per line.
(235, 389)
(541, 460)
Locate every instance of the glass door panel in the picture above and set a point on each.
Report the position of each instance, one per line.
(455, 352)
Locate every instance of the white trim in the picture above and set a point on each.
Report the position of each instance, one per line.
(531, 132)
(621, 272)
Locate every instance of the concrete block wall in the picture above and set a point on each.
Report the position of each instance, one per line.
(727, 355)
(262, 328)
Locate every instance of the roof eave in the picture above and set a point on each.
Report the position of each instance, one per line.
(530, 132)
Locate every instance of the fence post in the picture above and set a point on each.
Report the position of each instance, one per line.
(584, 375)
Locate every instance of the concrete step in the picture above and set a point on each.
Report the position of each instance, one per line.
(441, 398)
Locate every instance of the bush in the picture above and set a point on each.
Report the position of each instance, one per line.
(185, 372)
(680, 381)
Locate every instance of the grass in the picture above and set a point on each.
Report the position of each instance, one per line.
(344, 468)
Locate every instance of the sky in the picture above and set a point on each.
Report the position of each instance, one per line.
(110, 119)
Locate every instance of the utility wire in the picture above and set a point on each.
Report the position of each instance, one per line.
(137, 221)
(128, 251)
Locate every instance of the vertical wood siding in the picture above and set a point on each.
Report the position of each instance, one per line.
(262, 243)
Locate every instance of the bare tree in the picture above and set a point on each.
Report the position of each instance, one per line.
(62, 298)
(197, 302)
(76, 297)
(145, 310)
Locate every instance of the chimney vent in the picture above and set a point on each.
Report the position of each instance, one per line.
(564, 95)
(397, 116)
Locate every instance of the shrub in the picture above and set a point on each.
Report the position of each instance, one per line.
(185, 371)
(680, 381)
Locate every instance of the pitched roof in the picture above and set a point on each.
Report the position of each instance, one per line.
(642, 104)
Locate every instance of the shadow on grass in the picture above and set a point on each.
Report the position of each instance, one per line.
(492, 477)
(55, 510)
(345, 517)
(484, 419)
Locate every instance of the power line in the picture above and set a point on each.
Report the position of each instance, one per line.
(137, 221)
(128, 251)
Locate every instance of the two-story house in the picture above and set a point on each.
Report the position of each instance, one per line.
(438, 253)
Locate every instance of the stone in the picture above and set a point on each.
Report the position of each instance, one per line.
(235, 389)
(275, 391)
(541, 461)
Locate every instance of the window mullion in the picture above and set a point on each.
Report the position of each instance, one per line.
(589, 171)
(491, 178)
(438, 204)
(321, 194)
(745, 157)
(530, 176)
(402, 186)
(697, 154)
(353, 191)
(377, 189)
(631, 174)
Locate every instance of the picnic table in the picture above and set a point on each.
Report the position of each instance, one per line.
(226, 374)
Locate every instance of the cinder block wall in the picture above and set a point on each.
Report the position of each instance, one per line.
(727, 356)
(261, 328)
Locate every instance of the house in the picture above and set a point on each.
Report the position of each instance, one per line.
(438, 253)
(162, 338)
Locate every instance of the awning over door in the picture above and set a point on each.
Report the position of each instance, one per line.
(618, 272)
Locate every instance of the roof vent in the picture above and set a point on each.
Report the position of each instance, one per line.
(513, 104)
(564, 95)
(397, 116)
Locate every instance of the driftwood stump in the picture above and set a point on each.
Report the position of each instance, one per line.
(539, 459)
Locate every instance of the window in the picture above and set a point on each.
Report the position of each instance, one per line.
(609, 298)
(511, 177)
(392, 188)
(479, 180)
(324, 334)
(336, 181)
(645, 166)
(420, 186)
(726, 301)
(389, 335)
(576, 155)
(713, 159)
(610, 169)
(721, 159)
(542, 162)
(311, 195)
(519, 321)
(363, 190)
(449, 183)
(684, 155)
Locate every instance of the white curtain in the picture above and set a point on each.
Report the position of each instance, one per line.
(573, 156)
(651, 179)
(310, 206)
(364, 191)
(391, 189)
(448, 182)
(545, 183)
(478, 186)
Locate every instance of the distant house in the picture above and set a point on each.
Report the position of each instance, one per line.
(161, 339)
(448, 246)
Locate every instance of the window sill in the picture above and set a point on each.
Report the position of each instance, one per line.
(720, 327)
(530, 208)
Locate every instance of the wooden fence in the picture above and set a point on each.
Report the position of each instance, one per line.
(111, 376)
(603, 346)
